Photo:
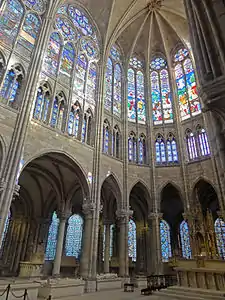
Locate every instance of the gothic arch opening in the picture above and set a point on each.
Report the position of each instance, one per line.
(52, 188)
(138, 229)
(172, 210)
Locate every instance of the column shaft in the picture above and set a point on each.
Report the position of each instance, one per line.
(107, 248)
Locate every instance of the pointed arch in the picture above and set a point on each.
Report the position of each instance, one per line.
(74, 123)
(74, 236)
(58, 111)
(112, 183)
(160, 150)
(42, 102)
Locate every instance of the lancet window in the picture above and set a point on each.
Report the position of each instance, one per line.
(166, 250)
(132, 240)
(185, 240)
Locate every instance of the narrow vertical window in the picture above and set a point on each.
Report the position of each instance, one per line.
(132, 148)
(84, 130)
(142, 150)
(203, 142)
(74, 120)
(166, 250)
(106, 137)
(191, 145)
(172, 154)
(160, 150)
(132, 242)
(185, 240)
(109, 85)
(220, 237)
(74, 236)
(117, 99)
(131, 96)
(52, 238)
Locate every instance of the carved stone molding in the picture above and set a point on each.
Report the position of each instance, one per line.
(88, 209)
(154, 5)
(155, 215)
(124, 214)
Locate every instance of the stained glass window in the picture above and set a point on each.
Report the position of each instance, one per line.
(117, 90)
(51, 61)
(57, 113)
(132, 242)
(41, 105)
(113, 83)
(52, 238)
(74, 236)
(161, 92)
(37, 5)
(29, 32)
(131, 96)
(132, 148)
(109, 85)
(10, 20)
(166, 250)
(220, 237)
(203, 142)
(160, 150)
(116, 142)
(84, 130)
(80, 77)
(65, 28)
(141, 108)
(185, 240)
(172, 154)
(191, 145)
(74, 120)
(106, 137)
(10, 87)
(112, 228)
(142, 150)
(186, 85)
(5, 230)
(91, 83)
(67, 60)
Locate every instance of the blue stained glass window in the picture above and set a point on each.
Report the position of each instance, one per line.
(67, 60)
(5, 230)
(220, 237)
(166, 250)
(79, 82)
(74, 236)
(30, 31)
(37, 5)
(52, 238)
(106, 139)
(160, 150)
(142, 150)
(112, 228)
(51, 61)
(191, 145)
(91, 83)
(41, 106)
(131, 96)
(84, 130)
(74, 120)
(65, 29)
(10, 87)
(117, 91)
(204, 143)
(185, 240)
(57, 114)
(132, 240)
(172, 154)
(132, 149)
(108, 85)
(10, 20)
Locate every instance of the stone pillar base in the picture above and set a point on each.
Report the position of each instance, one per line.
(90, 286)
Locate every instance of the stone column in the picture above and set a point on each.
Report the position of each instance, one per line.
(59, 247)
(107, 248)
(20, 244)
(88, 215)
(123, 217)
(154, 219)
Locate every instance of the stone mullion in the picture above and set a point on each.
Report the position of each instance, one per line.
(17, 141)
(20, 245)
(25, 243)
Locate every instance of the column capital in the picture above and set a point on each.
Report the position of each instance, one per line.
(108, 222)
(212, 93)
(88, 209)
(123, 214)
(63, 215)
(155, 215)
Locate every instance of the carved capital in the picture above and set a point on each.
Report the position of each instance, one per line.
(155, 215)
(88, 209)
(63, 215)
(124, 214)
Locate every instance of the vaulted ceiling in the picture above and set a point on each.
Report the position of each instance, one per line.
(139, 26)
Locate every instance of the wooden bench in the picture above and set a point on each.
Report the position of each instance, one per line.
(128, 287)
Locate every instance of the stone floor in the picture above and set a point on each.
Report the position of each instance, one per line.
(116, 295)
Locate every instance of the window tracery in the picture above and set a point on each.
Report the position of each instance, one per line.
(74, 120)
(52, 238)
(113, 83)
(42, 103)
(136, 94)
(186, 85)
(191, 145)
(160, 150)
(142, 149)
(106, 136)
(116, 142)
(220, 236)
(185, 240)
(58, 111)
(11, 85)
(74, 236)
(203, 141)
(172, 153)
(132, 147)
(132, 240)
(166, 250)
(161, 92)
